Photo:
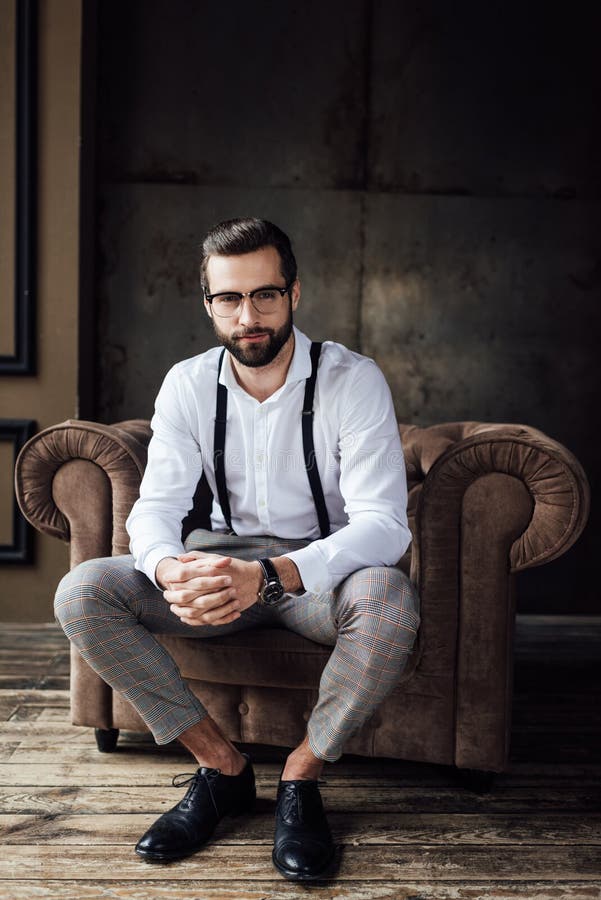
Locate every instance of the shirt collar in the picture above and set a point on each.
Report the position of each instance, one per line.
(298, 370)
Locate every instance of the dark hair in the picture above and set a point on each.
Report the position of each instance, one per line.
(237, 236)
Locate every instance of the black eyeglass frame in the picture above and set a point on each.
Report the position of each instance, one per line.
(250, 294)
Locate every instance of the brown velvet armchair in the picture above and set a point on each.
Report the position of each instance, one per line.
(485, 502)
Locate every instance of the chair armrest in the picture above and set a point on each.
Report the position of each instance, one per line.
(68, 466)
(496, 499)
(552, 475)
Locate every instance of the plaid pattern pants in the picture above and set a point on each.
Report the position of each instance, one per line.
(111, 611)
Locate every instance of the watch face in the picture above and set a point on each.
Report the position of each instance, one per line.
(272, 592)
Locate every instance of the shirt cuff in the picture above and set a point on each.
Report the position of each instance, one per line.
(312, 569)
(153, 559)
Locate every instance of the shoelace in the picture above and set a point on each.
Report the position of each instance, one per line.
(290, 797)
(194, 779)
(289, 807)
(194, 776)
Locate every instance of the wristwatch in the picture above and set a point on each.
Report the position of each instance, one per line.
(273, 589)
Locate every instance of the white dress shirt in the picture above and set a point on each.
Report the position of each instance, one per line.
(357, 447)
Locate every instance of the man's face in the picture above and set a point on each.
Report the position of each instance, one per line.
(253, 338)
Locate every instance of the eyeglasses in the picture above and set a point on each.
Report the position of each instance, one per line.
(264, 299)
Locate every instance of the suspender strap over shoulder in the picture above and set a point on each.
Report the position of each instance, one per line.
(219, 448)
(309, 446)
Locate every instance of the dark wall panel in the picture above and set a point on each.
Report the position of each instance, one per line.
(486, 98)
(259, 93)
(485, 308)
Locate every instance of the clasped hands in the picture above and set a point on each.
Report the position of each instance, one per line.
(208, 589)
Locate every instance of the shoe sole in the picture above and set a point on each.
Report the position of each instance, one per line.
(290, 875)
(163, 857)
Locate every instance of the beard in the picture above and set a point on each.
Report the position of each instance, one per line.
(256, 355)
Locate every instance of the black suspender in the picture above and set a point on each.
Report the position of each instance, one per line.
(219, 448)
(308, 446)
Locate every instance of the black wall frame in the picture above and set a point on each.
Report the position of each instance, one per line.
(23, 360)
(18, 432)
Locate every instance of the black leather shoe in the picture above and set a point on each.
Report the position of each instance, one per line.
(303, 847)
(185, 828)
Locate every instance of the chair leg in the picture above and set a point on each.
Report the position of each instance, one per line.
(476, 780)
(106, 739)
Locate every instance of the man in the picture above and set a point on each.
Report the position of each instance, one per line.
(301, 449)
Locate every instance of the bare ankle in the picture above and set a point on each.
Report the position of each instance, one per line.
(302, 764)
(233, 765)
(211, 748)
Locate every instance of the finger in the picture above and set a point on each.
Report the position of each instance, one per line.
(186, 591)
(226, 619)
(214, 559)
(203, 617)
(196, 600)
(214, 615)
(196, 568)
(203, 579)
(199, 554)
(201, 605)
(206, 617)
(199, 586)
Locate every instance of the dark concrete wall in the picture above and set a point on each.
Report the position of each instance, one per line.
(436, 165)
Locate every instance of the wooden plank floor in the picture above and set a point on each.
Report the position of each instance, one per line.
(70, 816)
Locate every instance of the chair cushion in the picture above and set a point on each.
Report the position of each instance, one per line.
(261, 657)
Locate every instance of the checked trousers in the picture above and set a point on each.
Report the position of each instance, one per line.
(111, 612)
